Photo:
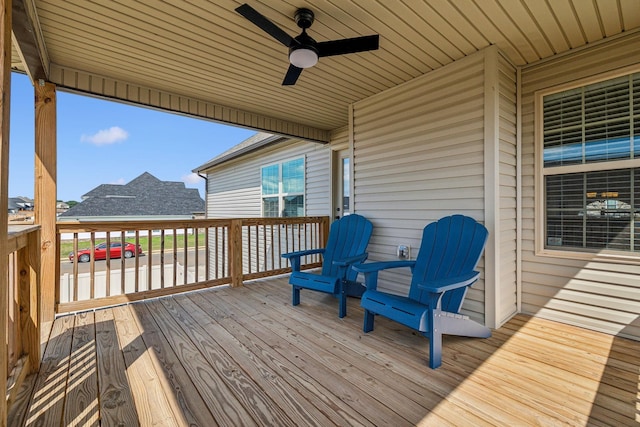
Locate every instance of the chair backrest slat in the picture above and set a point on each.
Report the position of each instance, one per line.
(348, 236)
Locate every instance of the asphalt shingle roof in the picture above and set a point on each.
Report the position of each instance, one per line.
(256, 141)
(145, 195)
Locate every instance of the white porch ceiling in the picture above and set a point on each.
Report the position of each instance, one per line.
(205, 51)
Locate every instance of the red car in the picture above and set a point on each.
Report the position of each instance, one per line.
(100, 251)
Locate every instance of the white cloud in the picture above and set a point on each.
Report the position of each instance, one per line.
(119, 181)
(106, 136)
(192, 178)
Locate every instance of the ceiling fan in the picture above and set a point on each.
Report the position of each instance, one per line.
(303, 50)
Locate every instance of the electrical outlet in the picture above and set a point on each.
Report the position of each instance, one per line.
(404, 252)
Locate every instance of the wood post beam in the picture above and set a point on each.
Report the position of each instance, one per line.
(5, 102)
(29, 39)
(45, 199)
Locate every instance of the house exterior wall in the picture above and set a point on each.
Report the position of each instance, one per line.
(234, 186)
(589, 290)
(419, 155)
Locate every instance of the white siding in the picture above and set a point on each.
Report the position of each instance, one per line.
(592, 293)
(418, 156)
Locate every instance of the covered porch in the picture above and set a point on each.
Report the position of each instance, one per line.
(244, 356)
(443, 118)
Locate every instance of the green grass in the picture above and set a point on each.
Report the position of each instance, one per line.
(67, 246)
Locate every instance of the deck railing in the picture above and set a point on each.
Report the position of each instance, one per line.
(23, 327)
(177, 256)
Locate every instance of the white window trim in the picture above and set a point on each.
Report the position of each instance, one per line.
(280, 195)
(540, 173)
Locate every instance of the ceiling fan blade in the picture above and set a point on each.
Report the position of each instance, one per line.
(353, 45)
(267, 26)
(292, 75)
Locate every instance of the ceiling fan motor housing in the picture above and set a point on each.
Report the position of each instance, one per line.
(304, 18)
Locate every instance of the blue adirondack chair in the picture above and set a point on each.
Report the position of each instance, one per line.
(346, 245)
(441, 275)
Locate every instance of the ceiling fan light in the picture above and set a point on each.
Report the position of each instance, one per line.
(303, 57)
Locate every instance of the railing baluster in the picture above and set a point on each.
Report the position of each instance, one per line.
(108, 264)
(162, 259)
(150, 259)
(258, 260)
(92, 266)
(271, 245)
(74, 290)
(185, 257)
(207, 252)
(174, 257)
(122, 263)
(197, 250)
(249, 253)
(137, 263)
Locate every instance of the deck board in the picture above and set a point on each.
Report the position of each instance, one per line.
(245, 356)
(117, 406)
(82, 381)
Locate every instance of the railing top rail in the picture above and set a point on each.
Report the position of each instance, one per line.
(17, 236)
(280, 220)
(89, 226)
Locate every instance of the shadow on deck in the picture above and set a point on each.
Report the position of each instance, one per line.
(244, 356)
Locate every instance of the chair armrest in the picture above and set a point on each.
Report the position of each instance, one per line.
(294, 257)
(344, 262)
(299, 254)
(449, 283)
(371, 267)
(371, 270)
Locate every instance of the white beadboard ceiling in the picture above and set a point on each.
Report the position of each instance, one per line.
(204, 50)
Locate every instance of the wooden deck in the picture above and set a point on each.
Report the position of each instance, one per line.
(244, 356)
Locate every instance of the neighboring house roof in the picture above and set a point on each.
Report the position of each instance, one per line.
(249, 145)
(20, 203)
(145, 195)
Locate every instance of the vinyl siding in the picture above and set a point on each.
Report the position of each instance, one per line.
(597, 294)
(340, 138)
(234, 186)
(506, 281)
(418, 156)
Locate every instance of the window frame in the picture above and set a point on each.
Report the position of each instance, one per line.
(540, 173)
(281, 194)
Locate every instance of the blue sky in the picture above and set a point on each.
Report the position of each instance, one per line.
(104, 142)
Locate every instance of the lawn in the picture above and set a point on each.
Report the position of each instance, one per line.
(67, 246)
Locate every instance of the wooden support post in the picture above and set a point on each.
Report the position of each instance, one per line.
(5, 102)
(235, 252)
(324, 231)
(45, 199)
(29, 298)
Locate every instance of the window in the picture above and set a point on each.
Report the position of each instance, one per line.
(283, 189)
(591, 166)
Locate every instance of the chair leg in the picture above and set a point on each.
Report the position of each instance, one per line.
(368, 321)
(342, 301)
(435, 349)
(295, 296)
